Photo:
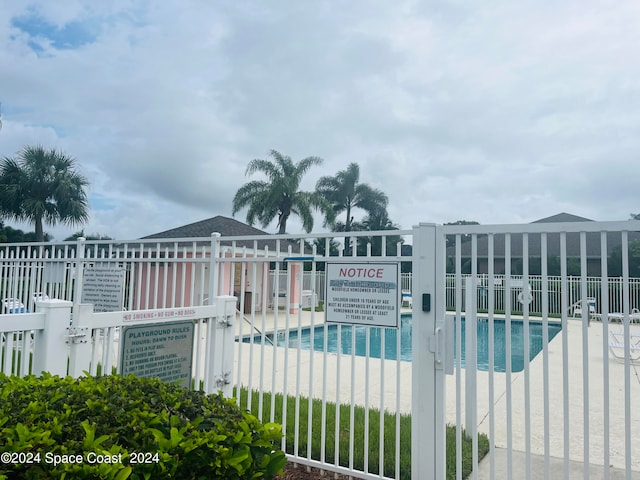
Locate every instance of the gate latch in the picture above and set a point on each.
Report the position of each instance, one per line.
(77, 335)
(441, 345)
(436, 346)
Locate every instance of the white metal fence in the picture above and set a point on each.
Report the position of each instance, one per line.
(554, 293)
(157, 274)
(568, 409)
(571, 400)
(155, 279)
(328, 399)
(32, 343)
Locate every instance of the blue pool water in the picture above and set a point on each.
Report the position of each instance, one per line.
(345, 332)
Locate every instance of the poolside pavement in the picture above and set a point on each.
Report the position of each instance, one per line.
(556, 468)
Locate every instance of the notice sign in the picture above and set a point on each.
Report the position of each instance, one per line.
(362, 293)
(102, 286)
(160, 350)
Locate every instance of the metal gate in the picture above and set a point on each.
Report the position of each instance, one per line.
(541, 391)
(341, 392)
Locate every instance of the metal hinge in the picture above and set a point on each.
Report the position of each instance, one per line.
(223, 381)
(77, 335)
(226, 321)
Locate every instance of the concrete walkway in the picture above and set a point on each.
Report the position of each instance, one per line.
(556, 468)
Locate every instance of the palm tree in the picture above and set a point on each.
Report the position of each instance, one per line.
(345, 193)
(279, 195)
(43, 186)
(379, 221)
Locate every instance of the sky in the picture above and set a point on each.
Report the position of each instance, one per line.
(493, 111)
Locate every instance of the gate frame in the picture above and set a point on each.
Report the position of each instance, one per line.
(428, 410)
(421, 262)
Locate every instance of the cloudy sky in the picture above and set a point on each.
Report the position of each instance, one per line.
(494, 111)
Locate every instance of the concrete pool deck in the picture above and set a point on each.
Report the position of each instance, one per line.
(389, 387)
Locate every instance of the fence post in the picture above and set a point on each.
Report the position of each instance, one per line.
(50, 349)
(228, 343)
(213, 267)
(79, 274)
(428, 426)
(220, 347)
(80, 340)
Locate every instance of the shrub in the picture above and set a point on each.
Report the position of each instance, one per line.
(117, 427)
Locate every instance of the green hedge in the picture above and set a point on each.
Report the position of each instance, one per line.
(117, 427)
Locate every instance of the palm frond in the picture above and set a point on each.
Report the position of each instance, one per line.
(43, 184)
(246, 194)
(279, 196)
(345, 193)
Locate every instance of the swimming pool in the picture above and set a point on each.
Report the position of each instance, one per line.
(345, 344)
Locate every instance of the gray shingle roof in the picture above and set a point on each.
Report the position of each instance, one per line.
(553, 241)
(226, 227)
(563, 217)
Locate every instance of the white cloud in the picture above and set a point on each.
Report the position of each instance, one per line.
(497, 112)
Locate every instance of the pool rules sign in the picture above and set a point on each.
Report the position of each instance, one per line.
(362, 293)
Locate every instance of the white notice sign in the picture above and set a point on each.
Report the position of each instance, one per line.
(103, 286)
(362, 293)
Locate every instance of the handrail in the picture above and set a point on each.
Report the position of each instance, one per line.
(254, 327)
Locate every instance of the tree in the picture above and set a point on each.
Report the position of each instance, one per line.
(43, 186)
(80, 233)
(15, 235)
(379, 221)
(279, 196)
(614, 263)
(345, 193)
(451, 239)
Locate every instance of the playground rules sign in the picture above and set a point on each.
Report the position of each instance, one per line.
(362, 293)
(159, 350)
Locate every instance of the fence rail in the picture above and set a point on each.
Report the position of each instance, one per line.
(616, 293)
(499, 288)
(156, 274)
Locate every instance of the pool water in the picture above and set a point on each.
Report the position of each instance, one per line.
(346, 342)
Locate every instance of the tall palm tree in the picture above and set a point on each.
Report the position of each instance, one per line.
(345, 193)
(379, 221)
(279, 195)
(43, 186)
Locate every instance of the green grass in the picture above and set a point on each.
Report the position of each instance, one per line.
(16, 353)
(358, 433)
(319, 307)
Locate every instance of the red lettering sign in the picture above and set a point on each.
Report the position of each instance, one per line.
(361, 272)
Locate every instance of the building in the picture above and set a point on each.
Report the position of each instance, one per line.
(534, 248)
(232, 274)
